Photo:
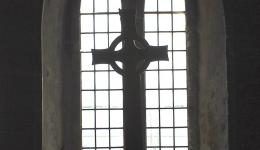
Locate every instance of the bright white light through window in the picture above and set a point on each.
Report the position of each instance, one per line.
(166, 82)
(166, 99)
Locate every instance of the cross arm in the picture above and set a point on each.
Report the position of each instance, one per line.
(104, 56)
(108, 56)
(150, 54)
(156, 53)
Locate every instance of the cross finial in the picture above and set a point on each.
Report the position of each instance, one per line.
(127, 17)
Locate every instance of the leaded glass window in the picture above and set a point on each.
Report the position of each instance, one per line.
(165, 82)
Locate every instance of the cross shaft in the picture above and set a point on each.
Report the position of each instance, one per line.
(135, 55)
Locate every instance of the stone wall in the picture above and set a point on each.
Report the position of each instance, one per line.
(21, 125)
(61, 126)
(212, 80)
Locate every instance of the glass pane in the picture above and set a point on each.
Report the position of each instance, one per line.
(153, 65)
(180, 80)
(120, 64)
(100, 5)
(179, 22)
(86, 61)
(86, 6)
(152, 118)
(180, 98)
(112, 37)
(86, 23)
(178, 5)
(116, 99)
(181, 137)
(165, 39)
(87, 42)
(179, 41)
(180, 116)
(116, 118)
(102, 67)
(114, 23)
(166, 100)
(114, 5)
(87, 99)
(164, 5)
(152, 148)
(152, 137)
(152, 99)
(166, 117)
(179, 60)
(151, 5)
(150, 22)
(168, 148)
(165, 79)
(119, 47)
(115, 80)
(88, 120)
(101, 23)
(165, 22)
(167, 137)
(116, 137)
(101, 80)
(87, 80)
(151, 38)
(101, 41)
(167, 64)
(181, 148)
(88, 138)
(151, 79)
(102, 138)
(101, 99)
(102, 118)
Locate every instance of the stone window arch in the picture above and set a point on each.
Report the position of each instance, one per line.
(61, 128)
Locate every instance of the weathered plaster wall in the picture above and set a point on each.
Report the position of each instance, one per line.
(213, 114)
(61, 78)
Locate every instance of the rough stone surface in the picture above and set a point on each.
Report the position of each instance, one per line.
(213, 96)
(52, 83)
(61, 128)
